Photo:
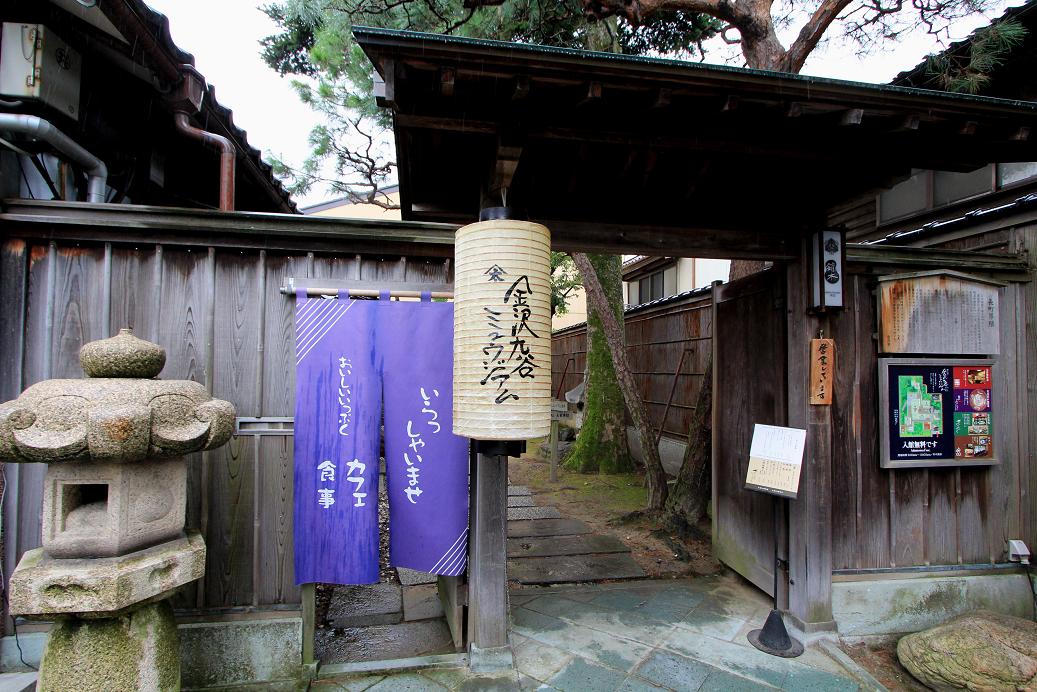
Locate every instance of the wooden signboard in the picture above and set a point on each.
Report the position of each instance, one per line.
(938, 412)
(560, 410)
(776, 460)
(822, 371)
(938, 312)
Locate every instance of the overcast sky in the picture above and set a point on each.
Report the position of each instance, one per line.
(224, 37)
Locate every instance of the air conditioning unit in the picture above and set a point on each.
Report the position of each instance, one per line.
(36, 64)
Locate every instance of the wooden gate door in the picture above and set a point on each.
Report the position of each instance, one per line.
(749, 367)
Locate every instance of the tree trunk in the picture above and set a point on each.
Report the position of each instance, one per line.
(602, 443)
(597, 299)
(690, 496)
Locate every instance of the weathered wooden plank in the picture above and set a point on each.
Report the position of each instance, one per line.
(14, 270)
(1004, 522)
(276, 546)
(183, 325)
(238, 359)
(278, 397)
(546, 527)
(910, 493)
(565, 545)
(941, 520)
(450, 591)
(1026, 317)
(78, 307)
(974, 513)
(133, 291)
(573, 568)
(872, 501)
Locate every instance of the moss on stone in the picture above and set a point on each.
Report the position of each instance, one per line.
(138, 651)
(601, 445)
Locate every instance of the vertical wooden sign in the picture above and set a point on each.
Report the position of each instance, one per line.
(822, 371)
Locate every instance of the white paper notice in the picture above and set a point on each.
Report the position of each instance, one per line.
(776, 460)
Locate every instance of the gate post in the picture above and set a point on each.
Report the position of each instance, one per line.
(488, 579)
(810, 515)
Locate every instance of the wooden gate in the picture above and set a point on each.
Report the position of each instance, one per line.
(749, 366)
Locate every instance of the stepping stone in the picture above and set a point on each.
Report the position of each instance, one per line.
(518, 490)
(533, 513)
(573, 568)
(546, 527)
(520, 501)
(410, 577)
(383, 642)
(565, 545)
(365, 604)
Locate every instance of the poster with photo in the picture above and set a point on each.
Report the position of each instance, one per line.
(937, 413)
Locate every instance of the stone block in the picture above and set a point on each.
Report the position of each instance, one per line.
(421, 602)
(138, 650)
(365, 604)
(383, 642)
(264, 652)
(103, 510)
(897, 606)
(42, 587)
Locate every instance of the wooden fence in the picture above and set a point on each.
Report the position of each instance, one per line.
(668, 344)
(219, 314)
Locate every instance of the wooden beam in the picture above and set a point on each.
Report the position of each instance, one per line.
(853, 116)
(521, 88)
(428, 122)
(659, 240)
(385, 85)
(446, 81)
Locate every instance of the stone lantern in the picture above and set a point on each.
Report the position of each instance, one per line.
(114, 548)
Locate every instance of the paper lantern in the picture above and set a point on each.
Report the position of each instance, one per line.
(502, 330)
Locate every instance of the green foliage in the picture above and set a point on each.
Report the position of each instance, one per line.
(351, 150)
(564, 280)
(970, 72)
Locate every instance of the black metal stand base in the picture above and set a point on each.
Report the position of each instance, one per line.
(500, 448)
(774, 639)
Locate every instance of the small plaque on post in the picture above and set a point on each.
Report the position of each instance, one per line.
(822, 371)
(776, 460)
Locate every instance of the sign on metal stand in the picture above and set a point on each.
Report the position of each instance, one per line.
(775, 464)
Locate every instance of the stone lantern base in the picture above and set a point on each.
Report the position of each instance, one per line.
(139, 650)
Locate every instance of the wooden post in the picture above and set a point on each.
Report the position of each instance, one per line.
(810, 515)
(488, 581)
(309, 621)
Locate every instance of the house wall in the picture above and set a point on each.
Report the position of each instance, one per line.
(896, 518)
(223, 322)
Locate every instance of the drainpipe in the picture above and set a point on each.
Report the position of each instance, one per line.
(96, 171)
(188, 99)
(227, 157)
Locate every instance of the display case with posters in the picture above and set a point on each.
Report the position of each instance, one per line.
(938, 412)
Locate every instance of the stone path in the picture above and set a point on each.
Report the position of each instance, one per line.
(545, 548)
(680, 635)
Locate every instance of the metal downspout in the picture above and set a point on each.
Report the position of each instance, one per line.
(96, 171)
(228, 156)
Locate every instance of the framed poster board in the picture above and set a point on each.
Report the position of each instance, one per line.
(938, 412)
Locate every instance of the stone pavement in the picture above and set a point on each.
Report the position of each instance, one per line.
(545, 548)
(686, 634)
